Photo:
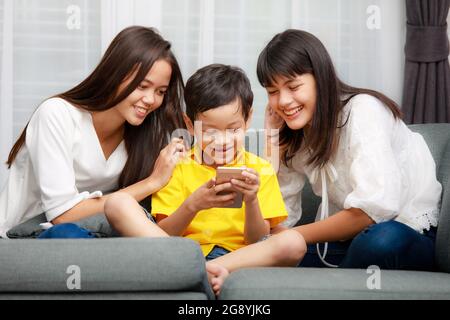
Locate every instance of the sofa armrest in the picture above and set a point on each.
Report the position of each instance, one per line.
(103, 265)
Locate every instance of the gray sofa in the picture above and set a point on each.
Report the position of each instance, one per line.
(173, 268)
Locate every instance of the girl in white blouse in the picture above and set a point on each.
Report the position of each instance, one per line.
(108, 133)
(377, 178)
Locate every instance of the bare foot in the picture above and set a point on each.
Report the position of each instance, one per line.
(216, 276)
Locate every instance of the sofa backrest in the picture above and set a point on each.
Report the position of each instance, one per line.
(310, 204)
(437, 137)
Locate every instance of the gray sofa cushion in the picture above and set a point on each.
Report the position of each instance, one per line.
(106, 265)
(177, 295)
(437, 137)
(97, 224)
(324, 283)
(27, 229)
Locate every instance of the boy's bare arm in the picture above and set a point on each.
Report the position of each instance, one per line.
(203, 198)
(177, 222)
(255, 226)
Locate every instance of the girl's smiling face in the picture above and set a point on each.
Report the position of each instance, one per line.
(294, 99)
(148, 96)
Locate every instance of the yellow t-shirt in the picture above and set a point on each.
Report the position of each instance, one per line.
(223, 227)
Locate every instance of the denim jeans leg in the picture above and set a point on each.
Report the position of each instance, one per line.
(335, 253)
(66, 231)
(216, 253)
(392, 245)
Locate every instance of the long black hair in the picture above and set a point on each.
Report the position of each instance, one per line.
(293, 53)
(133, 50)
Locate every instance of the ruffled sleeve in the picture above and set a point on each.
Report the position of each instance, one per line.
(49, 140)
(374, 174)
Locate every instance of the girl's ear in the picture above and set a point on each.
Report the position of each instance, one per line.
(249, 120)
(188, 123)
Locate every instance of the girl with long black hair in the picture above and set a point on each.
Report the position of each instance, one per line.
(111, 132)
(376, 177)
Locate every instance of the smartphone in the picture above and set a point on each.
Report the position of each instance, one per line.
(225, 174)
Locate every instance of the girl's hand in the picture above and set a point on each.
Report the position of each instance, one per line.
(249, 186)
(207, 197)
(271, 119)
(166, 162)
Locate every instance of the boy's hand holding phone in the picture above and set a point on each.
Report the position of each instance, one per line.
(209, 195)
(248, 186)
(230, 187)
(243, 180)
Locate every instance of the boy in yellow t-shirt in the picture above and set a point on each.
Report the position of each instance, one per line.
(216, 228)
(218, 112)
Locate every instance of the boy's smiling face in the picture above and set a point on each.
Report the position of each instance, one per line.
(220, 133)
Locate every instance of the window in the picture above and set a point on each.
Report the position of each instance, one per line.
(51, 54)
(242, 29)
(1, 32)
(48, 46)
(181, 26)
(235, 31)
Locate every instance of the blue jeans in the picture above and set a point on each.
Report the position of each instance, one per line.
(216, 252)
(388, 245)
(66, 231)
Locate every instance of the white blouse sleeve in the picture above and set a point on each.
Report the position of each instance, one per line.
(49, 140)
(374, 173)
(291, 186)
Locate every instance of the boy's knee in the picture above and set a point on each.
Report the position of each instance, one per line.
(290, 247)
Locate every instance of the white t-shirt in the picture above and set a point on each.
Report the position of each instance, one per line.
(380, 167)
(60, 165)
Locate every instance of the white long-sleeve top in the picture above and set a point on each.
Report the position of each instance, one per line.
(60, 165)
(380, 167)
